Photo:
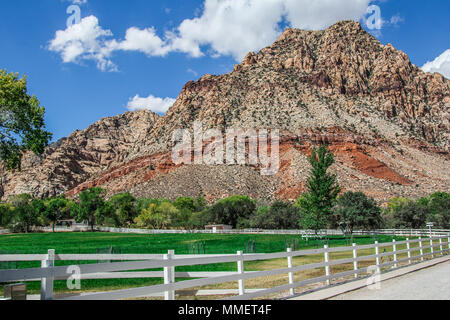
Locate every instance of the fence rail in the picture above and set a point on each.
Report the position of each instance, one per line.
(305, 233)
(48, 272)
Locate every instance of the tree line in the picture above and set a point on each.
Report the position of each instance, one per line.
(322, 206)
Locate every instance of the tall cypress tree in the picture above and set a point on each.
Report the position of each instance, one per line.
(323, 189)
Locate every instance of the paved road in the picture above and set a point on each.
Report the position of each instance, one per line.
(428, 284)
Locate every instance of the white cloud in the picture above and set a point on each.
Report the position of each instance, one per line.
(236, 27)
(224, 27)
(231, 27)
(441, 64)
(155, 104)
(320, 14)
(145, 41)
(84, 41)
(89, 41)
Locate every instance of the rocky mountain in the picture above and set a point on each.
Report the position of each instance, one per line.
(387, 122)
(74, 160)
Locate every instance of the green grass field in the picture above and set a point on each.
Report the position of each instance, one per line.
(74, 243)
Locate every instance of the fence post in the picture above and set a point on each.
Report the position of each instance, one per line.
(394, 249)
(377, 254)
(448, 242)
(440, 246)
(291, 274)
(240, 265)
(355, 260)
(169, 276)
(408, 247)
(432, 247)
(327, 267)
(421, 249)
(47, 282)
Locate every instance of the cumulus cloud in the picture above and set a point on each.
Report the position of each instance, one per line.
(320, 14)
(84, 41)
(441, 64)
(155, 104)
(145, 41)
(236, 27)
(223, 27)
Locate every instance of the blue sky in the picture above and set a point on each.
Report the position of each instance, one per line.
(125, 54)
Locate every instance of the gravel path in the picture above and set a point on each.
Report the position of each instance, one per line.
(428, 284)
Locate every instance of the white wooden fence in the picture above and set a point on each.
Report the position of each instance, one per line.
(305, 233)
(416, 250)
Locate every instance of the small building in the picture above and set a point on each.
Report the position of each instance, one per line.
(218, 227)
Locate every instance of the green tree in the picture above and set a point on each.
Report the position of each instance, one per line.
(26, 213)
(122, 209)
(405, 213)
(231, 211)
(279, 216)
(188, 208)
(91, 206)
(411, 215)
(389, 214)
(322, 191)
(6, 213)
(185, 204)
(56, 209)
(157, 216)
(439, 209)
(356, 210)
(144, 203)
(22, 126)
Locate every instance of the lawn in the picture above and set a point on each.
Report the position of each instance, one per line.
(65, 243)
